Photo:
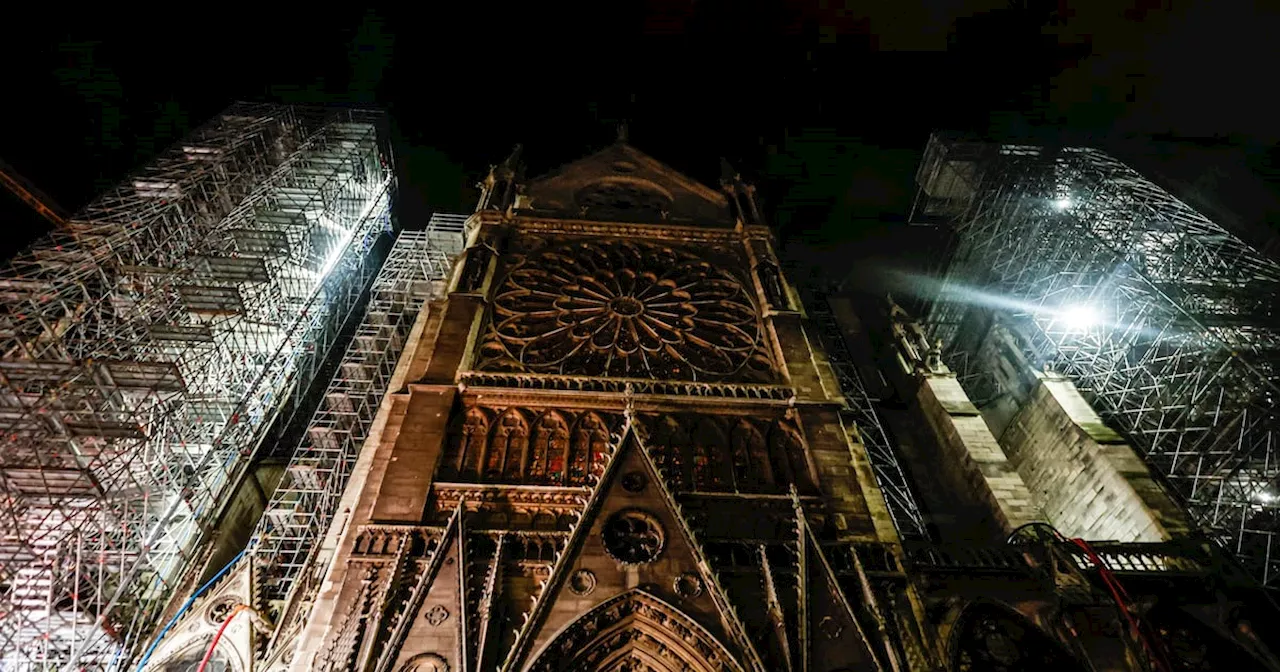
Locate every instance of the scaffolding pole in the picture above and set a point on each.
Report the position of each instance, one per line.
(860, 410)
(146, 349)
(1165, 320)
(306, 501)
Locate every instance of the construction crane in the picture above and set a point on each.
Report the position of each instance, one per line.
(23, 189)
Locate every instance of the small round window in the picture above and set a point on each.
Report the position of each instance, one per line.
(633, 537)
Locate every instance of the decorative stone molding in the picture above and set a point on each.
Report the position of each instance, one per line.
(425, 662)
(632, 386)
(436, 615)
(633, 537)
(674, 232)
(582, 582)
(687, 585)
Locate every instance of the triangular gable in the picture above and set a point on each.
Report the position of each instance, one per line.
(835, 637)
(623, 168)
(433, 620)
(589, 573)
(191, 635)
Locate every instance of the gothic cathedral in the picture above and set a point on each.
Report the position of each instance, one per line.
(617, 443)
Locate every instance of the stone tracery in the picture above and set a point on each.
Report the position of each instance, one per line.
(638, 632)
(524, 446)
(716, 454)
(625, 308)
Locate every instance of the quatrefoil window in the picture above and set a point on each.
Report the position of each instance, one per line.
(633, 537)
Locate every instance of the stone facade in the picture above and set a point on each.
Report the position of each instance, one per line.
(617, 445)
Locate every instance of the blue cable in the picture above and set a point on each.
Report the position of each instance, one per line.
(187, 605)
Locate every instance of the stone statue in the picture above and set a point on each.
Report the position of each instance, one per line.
(771, 281)
(474, 271)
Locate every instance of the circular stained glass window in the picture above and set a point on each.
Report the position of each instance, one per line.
(633, 537)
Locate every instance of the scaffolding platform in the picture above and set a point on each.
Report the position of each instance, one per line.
(1180, 350)
(306, 500)
(146, 349)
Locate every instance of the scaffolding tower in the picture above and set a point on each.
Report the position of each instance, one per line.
(286, 541)
(1167, 321)
(149, 346)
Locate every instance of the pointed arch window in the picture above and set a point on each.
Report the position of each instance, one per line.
(750, 463)
(507, 446)
(787, 457)
(590, 443)
(473, 438)
(550, 442)
(711, 471)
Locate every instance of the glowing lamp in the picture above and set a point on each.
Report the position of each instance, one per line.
(1078, 317)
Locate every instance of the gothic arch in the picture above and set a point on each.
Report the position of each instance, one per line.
(588, 444)
(711, 471)
(471, 439)
(786, 457)
(990, 637)
(549, 448)
(635, 631)
(507, 442)
(1193, 645)
(669, 449)
(750, 458)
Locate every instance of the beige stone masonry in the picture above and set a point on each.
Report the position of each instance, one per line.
(1088, 480)
(972, 455)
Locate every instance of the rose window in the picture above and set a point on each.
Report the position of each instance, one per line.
(623, 308)
(633, 537)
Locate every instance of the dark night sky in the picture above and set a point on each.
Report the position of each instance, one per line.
(827, 108)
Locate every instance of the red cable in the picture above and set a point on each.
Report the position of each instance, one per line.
(1121, 599)
(204, 662)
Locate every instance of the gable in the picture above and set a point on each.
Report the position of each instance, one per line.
(621, 183)
(631, 538)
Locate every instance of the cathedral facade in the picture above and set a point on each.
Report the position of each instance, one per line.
(619, 444)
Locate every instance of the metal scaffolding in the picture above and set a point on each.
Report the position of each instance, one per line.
(148, 347)
(1165, 320)
(288, 535)
(881, 451)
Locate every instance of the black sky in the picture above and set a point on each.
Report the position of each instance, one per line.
(826, 106)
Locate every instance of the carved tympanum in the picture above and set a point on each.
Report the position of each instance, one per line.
(625, 308)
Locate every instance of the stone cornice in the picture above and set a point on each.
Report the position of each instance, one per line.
(600, 392)
(583, 227)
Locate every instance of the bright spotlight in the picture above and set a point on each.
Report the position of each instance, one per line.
(1062, 203)
(1078, 317)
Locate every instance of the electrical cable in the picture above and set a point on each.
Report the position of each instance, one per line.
(185, 606)
(208, 654)
(1121, 598)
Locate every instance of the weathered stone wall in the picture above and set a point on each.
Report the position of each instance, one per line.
(1090, 482)
(969, 456)
(238, 520)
